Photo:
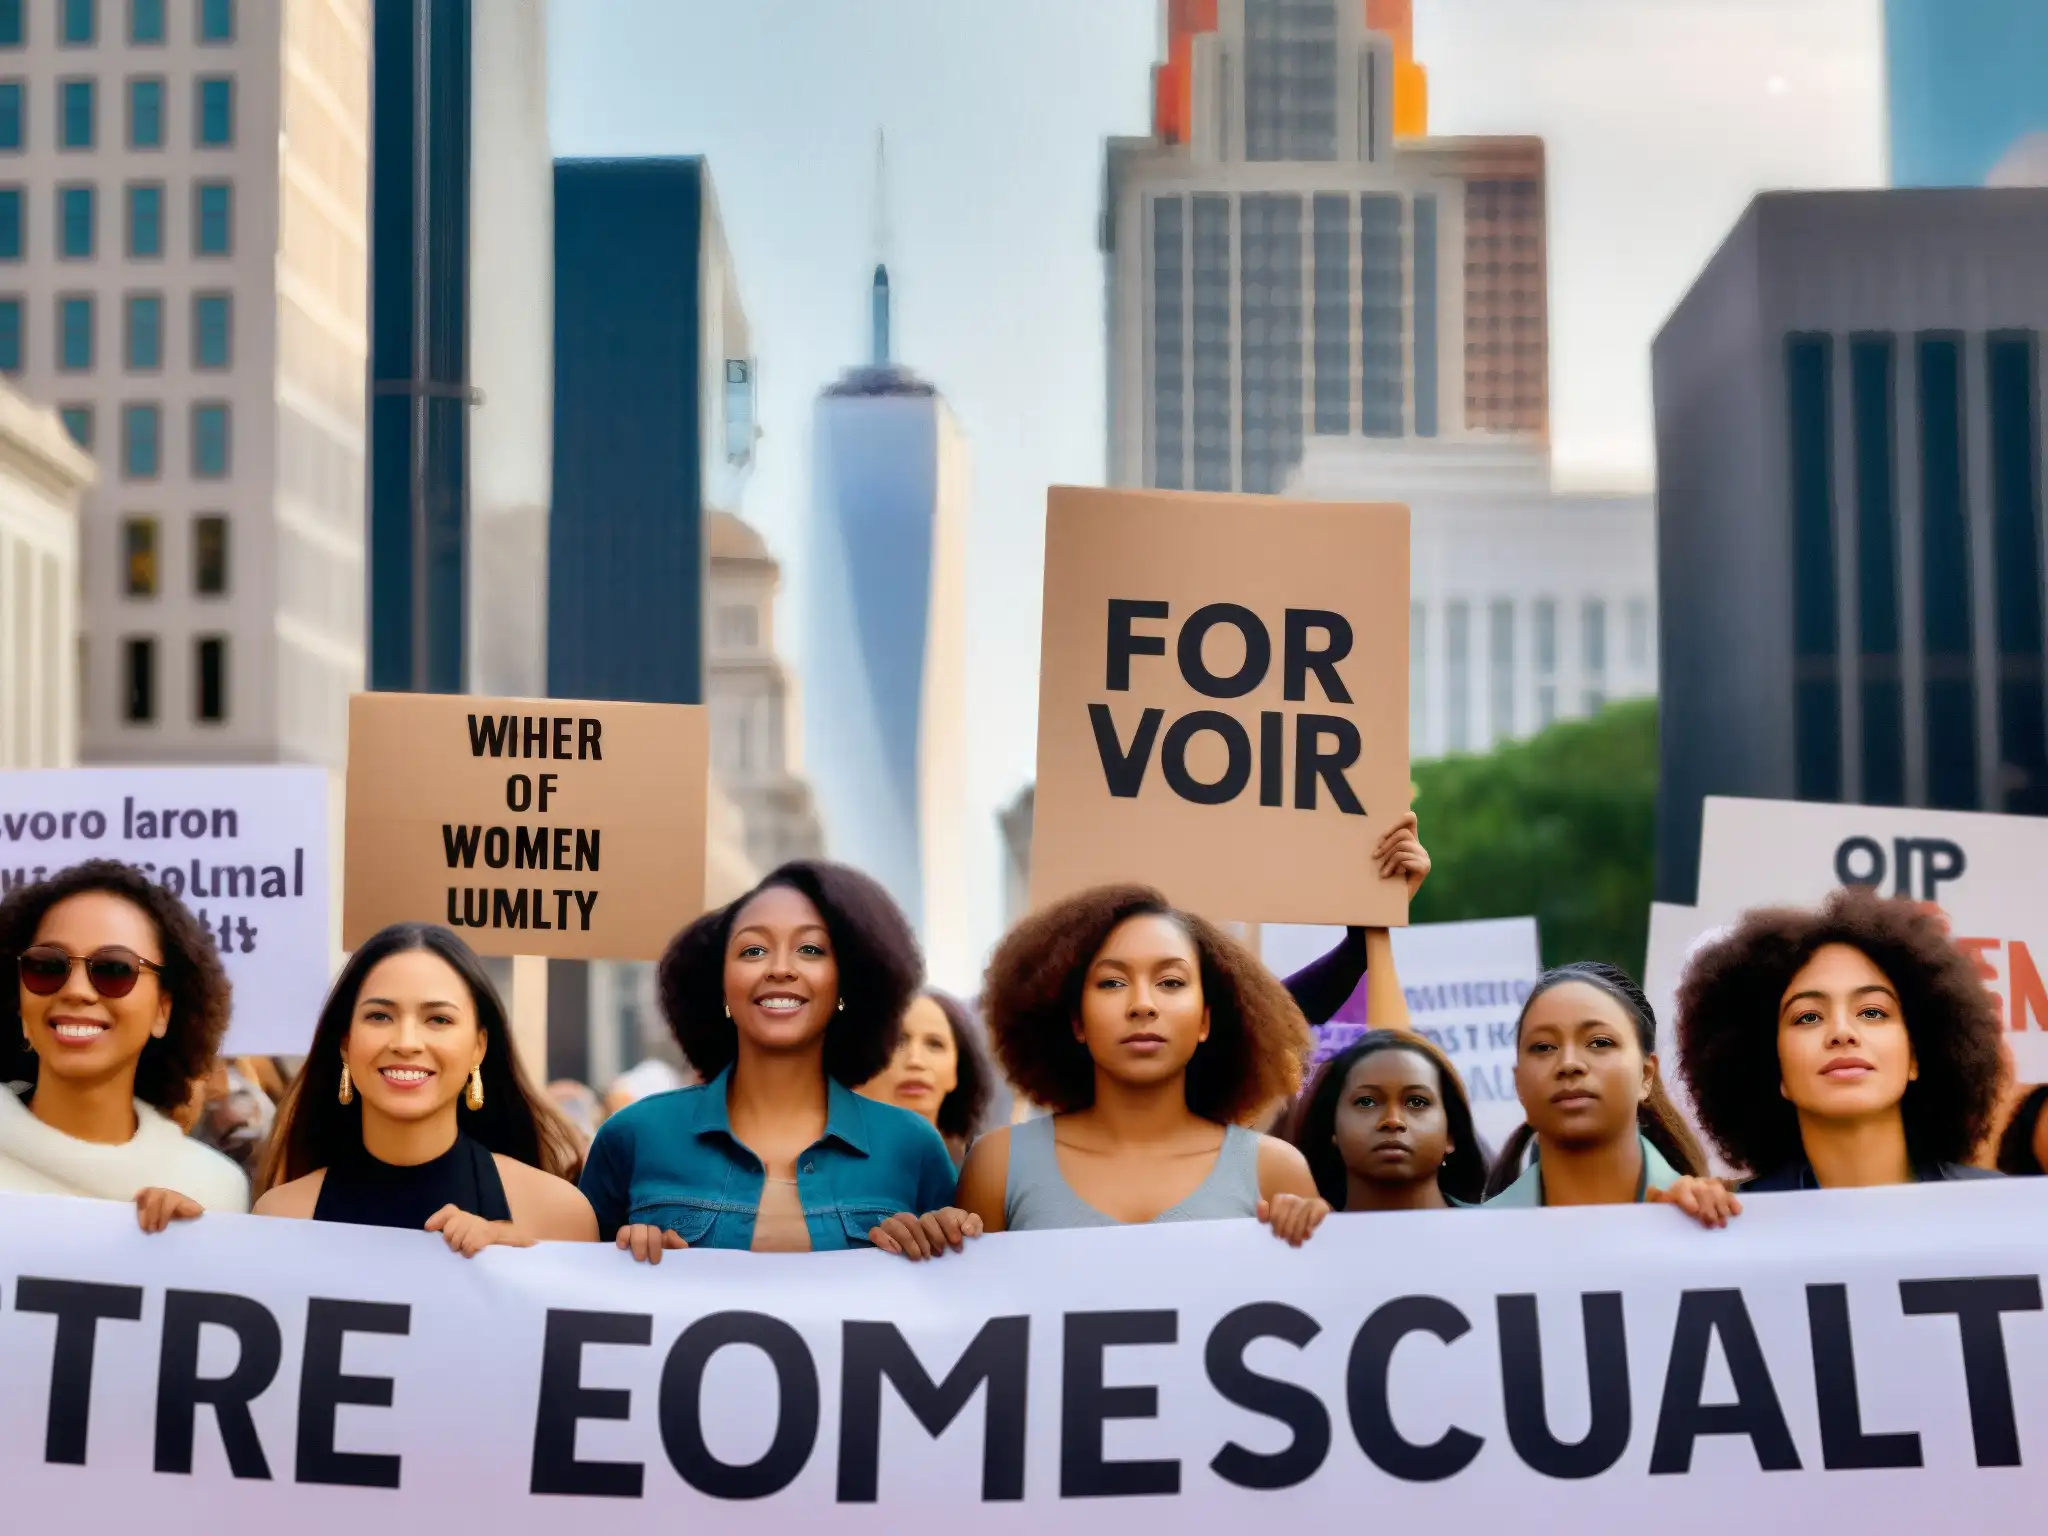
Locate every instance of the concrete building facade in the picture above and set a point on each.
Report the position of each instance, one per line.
(43, 477)
(1849, 438)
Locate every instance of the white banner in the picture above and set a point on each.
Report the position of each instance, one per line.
(245, 848)
(1984, 872)
(1868, 1361)
(1465, 984)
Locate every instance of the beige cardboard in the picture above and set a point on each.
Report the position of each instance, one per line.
(632, 782)
(1240, 859)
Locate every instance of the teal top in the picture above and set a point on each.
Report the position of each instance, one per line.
(1528, 1189)
(672, 1161)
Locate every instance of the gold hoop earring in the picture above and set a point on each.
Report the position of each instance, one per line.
(842, 1006)
(473, 1096)
(348, 1089)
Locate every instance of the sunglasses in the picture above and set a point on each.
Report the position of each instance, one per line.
(113, 971)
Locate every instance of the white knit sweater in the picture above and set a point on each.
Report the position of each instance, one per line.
(36, 1159)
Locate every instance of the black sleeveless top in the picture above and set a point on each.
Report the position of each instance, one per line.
(367, 1193)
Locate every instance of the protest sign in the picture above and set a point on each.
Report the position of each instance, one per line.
(1465, 984)
(1859, 1360)
(1223, 702)
(551, 827)
(246, 848)
(1983, 872)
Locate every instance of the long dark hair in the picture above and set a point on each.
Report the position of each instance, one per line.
(2016, 1146)
(1462, 1174)
(961, 1114)
(1656, 1117)
(314, 1127)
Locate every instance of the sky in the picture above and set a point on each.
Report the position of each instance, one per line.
(1662, 119)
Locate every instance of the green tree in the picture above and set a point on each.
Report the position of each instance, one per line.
(1561, 825)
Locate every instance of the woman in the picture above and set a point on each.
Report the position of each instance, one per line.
(1845, 1046)
(939, 1071)
(1151, 1035)
(1324, 985)
(1604, 1132)
(120, 1005)
(412, 1111)
(1386, 1126)
(2024, 1147)
(783, 1001)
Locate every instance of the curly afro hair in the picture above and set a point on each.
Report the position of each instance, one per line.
(193, 976)
(880, 967)
(1728, 1026)
(1258, 1046)
(966, 1106)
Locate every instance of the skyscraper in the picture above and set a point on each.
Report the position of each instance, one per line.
(1849, 448)
(884, 669)
(1968, 80)
(182, 273)
(460, 346)
(1283, 263)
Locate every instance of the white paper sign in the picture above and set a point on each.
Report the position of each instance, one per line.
(1859, 1360)
(1465, 984)
(1986, 873)
(246, 848)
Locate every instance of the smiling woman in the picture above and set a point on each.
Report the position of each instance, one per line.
(784, 1002)
(118, 1006)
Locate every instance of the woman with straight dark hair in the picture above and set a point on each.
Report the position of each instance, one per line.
(412, 1110)
(1843, 1046)
(784, 1002)
(2023, 1149)
(1386, 1126)
(1603, 1130)
(939, 1070)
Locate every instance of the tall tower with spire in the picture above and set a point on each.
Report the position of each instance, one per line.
(884, 665)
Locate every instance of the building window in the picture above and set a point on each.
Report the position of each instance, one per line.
(1946, 600)
(1332, 217)
(1501, 672)
(12, 34)
(1593, 637)
(13, 114)
(210, 554)
(146, 21)
(75, 114)
(138, 706)
(213, 331)
(141, 442)
(1425, 317)
(1816, 658)
(146, 220)
(1212, 303)
(2013, 393)
(1382, 316)
(10, 336)
(76, 218)
(211, 448)
(138, 556)
(738, 626)
(1639, 634)
(1169, 342)
(81, 22)
(213, 230)
(216, 21)
(216, 111)
(1881, 689)
(1543, 619)
(145, 340)
(78, 422)
(146, 113)
(11, 233)
(74, 334)
(210, 658)
(1269, 342)
(1457, 676)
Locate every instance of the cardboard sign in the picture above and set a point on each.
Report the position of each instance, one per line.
(1465, 984)
(554, 827)
(1982, 871)
(1223, 702)
(245, 848)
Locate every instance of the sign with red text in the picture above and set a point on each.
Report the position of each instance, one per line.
(1985, 873)
(1223, 702)
(558, 827)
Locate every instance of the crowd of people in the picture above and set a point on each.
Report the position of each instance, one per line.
(839, 1104)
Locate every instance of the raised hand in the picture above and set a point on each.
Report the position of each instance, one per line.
(1401, 855)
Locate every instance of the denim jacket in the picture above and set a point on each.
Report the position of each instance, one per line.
(672, 1161)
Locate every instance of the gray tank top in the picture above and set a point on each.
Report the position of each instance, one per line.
(1037, 1197)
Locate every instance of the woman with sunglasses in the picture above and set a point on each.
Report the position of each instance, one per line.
(118, 1007)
